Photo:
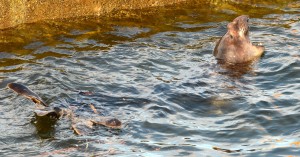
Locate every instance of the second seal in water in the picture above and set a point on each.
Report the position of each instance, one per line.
(235, 46)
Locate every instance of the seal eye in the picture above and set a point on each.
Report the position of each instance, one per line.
(231, 37)
(247, 19)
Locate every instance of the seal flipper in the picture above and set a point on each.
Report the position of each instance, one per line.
(26, 92)
(38, 101)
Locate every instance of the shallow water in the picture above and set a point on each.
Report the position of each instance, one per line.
(156, 73)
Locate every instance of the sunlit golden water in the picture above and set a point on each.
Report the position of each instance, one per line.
(154, 70)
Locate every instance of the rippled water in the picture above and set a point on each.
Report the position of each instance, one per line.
(156, 73)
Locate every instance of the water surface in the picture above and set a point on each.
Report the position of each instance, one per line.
(154, 70)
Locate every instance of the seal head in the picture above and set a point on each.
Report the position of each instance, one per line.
(235, 46)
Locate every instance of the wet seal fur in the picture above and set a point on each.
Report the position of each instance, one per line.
(26, 92)
(235, 46)
(80, 126)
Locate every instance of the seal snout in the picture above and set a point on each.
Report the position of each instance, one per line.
(242, 24)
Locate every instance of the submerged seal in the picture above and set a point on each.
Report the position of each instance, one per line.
(80, 125)
(235, 46)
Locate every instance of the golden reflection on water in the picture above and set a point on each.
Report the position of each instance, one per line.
(157, 19)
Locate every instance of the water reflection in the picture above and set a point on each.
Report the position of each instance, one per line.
(45, 126)
(157, 74)
(235, 70)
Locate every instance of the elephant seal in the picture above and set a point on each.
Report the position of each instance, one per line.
(235, 46)
(80, 125)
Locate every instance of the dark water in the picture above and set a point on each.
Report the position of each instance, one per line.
(156, 73)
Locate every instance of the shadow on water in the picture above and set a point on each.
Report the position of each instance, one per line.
(235, 71)
(154, 70)
(45, 126)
